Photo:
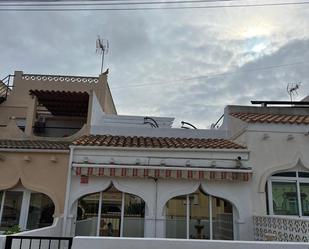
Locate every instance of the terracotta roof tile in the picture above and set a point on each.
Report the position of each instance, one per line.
(155, 142)
(271, 118)
(34, 144)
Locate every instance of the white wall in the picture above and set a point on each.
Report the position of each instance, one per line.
(129, 243)
(156, 194)
(51, 231)
(284, 148)
(2, 241)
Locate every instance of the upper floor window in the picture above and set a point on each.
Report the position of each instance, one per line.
(288, 193)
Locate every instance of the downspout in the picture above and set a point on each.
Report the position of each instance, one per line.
(67, 194)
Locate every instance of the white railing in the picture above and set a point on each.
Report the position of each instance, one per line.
(281, 228)
(59, 78)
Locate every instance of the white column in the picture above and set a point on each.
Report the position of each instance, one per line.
(99, 213)
(270, 197)
(24, 209)
(2, 205)
(122, 214)
(210, 218)
(188, 216)
(299, 198)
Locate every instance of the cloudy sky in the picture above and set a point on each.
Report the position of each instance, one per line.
(186, 64)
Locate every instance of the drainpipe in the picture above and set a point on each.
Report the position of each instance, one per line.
(67, 194)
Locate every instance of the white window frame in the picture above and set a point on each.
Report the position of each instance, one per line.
(297, 180)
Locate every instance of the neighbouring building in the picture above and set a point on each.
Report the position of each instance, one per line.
(40, 115)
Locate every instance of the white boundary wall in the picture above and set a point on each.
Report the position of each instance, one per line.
(146, 243)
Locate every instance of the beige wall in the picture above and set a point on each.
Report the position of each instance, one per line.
(39, 173)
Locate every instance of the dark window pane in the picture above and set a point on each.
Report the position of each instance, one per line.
(286, 174)
(134, 213)
(285, 198)
(87, 215)
(303, 174)
(111, 213)
(199, 226)
(11, 209)
(222, 219)
(176, 211)
(304, 193)
(41, 211)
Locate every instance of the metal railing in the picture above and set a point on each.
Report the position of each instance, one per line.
(5, 87)
(38, 242)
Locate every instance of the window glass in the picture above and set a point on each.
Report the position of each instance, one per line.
(303, 174)
(176, 212)
(134, 213)
(111, 213)
(222, 219)
(41, 211)
(87, 215)
(285, 198)
(304, 194)
(11, 209)
(286, 174)
(199, 225)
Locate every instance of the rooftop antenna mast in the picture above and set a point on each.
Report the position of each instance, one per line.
(292, 89)
(102, 47)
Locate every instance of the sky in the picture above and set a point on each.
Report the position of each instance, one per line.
(188, 64)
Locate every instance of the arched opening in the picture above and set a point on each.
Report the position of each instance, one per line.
(26, 209)
(110, 213)
(199, 216)
(287, 193)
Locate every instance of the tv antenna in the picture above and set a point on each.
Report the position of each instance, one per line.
(102, 47)
(292, 89)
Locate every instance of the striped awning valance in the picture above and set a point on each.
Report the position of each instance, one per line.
(223, 174)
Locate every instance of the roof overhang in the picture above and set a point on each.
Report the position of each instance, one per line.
(63, 103)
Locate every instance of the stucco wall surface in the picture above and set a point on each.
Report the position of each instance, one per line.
(273, 150)
(37, 172)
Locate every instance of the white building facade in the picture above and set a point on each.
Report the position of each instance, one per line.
(129, 178)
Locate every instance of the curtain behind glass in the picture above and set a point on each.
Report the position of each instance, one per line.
(304, 195)
(285, 198)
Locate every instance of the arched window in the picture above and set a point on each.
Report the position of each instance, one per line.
(199, 216)
(110, 213)
(288, 193)
(29, 210)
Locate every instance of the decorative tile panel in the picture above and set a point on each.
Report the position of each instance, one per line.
(281, 228)
(59, 78)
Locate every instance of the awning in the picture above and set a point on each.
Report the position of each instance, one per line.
(166, 173)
